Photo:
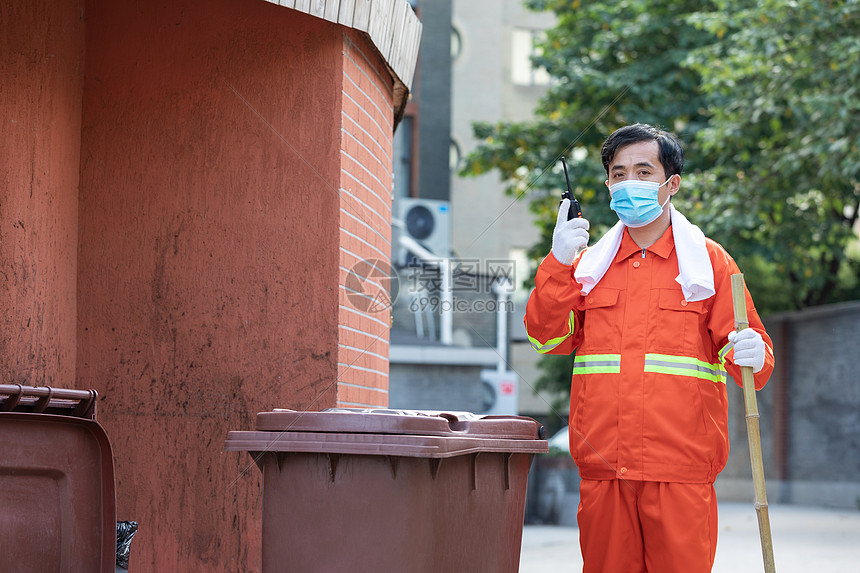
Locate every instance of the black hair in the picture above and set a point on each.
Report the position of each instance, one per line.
(670, 154)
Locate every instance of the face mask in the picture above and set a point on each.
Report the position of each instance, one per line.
(635, 202)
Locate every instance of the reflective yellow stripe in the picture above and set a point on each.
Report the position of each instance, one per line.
(597, 364)
(544, 347)
(724, 351)
(684, 366)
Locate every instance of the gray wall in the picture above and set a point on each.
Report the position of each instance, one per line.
(810, 412)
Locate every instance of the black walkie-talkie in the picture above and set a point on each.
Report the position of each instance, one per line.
(575, 209)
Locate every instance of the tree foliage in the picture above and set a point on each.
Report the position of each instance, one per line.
(612, 63)
(766, 96)
(783, 182)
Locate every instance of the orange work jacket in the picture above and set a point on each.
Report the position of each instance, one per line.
(648, 394)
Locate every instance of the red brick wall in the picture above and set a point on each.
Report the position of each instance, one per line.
(365, 226)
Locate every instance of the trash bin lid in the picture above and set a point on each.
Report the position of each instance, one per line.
(409, 433)
(48, 400)
(57, 494)
(407, 422)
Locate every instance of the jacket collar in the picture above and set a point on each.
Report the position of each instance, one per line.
(663, 247)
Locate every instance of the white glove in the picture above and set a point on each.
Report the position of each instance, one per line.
(749, 348)
(569, 237)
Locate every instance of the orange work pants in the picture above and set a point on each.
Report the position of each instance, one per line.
(654, 527)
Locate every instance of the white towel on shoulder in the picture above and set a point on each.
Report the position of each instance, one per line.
(595, 260)
(695, 272)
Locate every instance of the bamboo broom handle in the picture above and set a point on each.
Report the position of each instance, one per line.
(752, 417)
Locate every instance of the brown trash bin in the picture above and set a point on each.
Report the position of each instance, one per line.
(57, 504)
(391, 491)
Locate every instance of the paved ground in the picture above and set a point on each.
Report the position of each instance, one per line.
(805, 539)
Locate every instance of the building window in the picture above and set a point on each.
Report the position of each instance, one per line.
(523, 47)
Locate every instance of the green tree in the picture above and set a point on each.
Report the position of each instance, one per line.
(782, 188)
(613, 63)
(765, 96)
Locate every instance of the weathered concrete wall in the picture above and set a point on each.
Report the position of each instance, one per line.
(208, 256)
(175, 186)
(810, 412)
(41, 78)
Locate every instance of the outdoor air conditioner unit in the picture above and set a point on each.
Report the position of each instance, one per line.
(499, 394)
(427, 221)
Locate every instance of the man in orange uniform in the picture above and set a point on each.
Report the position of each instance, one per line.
(648, 310)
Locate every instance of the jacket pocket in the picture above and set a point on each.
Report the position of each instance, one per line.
(678, 323)
(602, 319)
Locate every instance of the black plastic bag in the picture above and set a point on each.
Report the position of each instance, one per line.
(125, 531)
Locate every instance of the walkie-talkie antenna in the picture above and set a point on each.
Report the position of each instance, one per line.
(575, 209)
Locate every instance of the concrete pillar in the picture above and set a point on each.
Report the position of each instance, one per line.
(209, 255)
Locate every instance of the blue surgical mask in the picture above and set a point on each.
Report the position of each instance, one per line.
(635, 202)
